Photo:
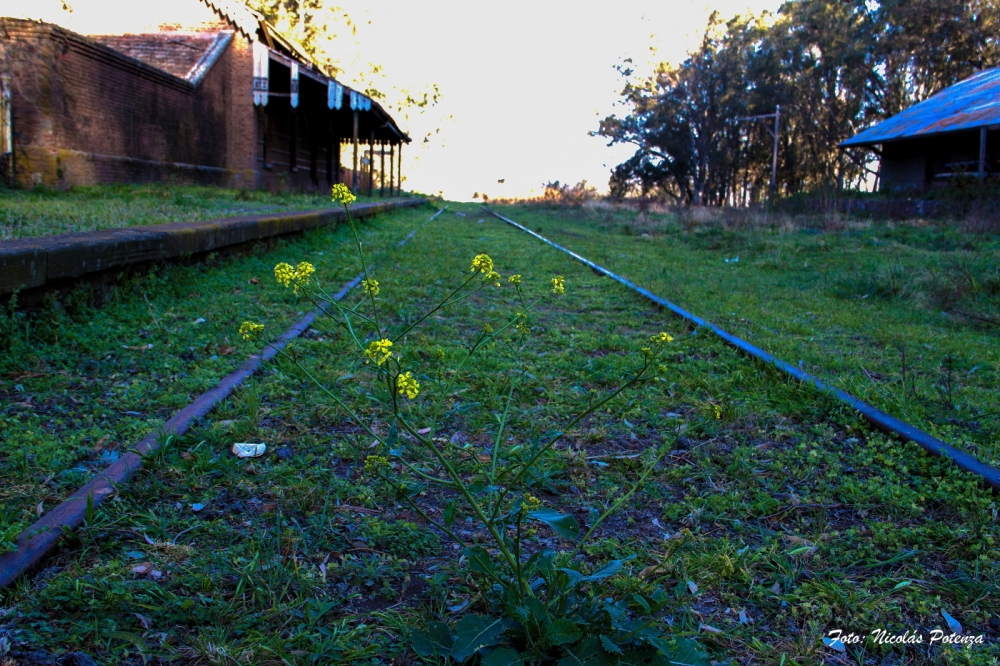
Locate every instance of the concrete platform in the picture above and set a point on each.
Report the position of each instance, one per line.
(30, 264)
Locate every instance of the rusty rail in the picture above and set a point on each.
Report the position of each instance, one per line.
(886, 422)
(35, 543)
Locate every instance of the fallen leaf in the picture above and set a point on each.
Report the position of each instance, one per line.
(226, 350)
(954, 625)
(254, 280)
(692, 587)
(744, 618)
(199, 320)
(270, 506)
(156, 574)
(39, 509)
(776, 588)
(144, 621)
(142, 569)
(423, 431)
(834, 644)
(710, 629)
(148, 540)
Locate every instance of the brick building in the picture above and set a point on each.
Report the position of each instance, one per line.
(194, 91)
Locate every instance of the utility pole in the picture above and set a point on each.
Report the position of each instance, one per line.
(775, 132)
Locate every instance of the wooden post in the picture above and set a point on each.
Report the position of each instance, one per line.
(392, 168)
(354, 173)
(371, 164)
(381, 170)
(293, 141)
(330, 141)
(399, 169)
(774, 158)
(982, 153)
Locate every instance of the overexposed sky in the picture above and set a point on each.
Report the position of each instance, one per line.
(523, 82)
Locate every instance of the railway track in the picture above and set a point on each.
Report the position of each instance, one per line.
(881, 420)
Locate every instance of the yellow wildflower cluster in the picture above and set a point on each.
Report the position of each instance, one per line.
(661, 338)
(296, 277)
(557, 285)
(494, 277)
(487, 328)
(378, 351)
(374, 463)
(515, 278)
(251, 331)
(407, 385)
(530, 503)
(370, 286)
(482, 263)
(342, 195)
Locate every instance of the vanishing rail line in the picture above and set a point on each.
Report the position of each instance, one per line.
(36, 542)
(878, 418)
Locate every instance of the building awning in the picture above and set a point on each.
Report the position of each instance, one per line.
(970, 104)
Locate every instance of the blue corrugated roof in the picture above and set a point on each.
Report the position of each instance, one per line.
(968, 104)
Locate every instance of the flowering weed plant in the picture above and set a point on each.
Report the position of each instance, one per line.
(539, 605)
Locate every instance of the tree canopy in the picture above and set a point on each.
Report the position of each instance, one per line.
(834, 66)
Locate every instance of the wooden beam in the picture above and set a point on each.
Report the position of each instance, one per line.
(371, 164)
(381, 170)
(354, 173)
(399, 167)
(392, 167)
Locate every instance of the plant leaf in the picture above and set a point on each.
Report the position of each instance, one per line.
(680, 651)
(128, 637)
(564, 525)
(436, 640)
(480, 560)
(449, 513)
(475, 632)
(503, 657)
(563, 631)
(609, 645)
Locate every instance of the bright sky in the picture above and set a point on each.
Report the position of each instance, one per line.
(522, 81)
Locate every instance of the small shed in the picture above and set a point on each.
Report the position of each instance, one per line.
(949, 135)
(200, 91)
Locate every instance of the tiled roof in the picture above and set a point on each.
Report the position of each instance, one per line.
(175, 53)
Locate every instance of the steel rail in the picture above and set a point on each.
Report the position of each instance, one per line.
(875, 416)
(36, 542)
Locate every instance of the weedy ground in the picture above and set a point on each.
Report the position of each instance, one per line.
(779, 516)
(43, 212)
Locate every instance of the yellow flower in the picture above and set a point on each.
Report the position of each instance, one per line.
(494, 277)
(530, 503)
(718, 411)
(371, 286)
(487, 327)
(515, 278)
(284, 274)
(482, 263)
(294, 277)
(407, 385)
(661, 338)
(521, 326)
(374, 463)
(250, 330)
(557, 285)
(378, 351)
(342, 195)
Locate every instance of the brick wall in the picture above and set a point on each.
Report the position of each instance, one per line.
(85, 114)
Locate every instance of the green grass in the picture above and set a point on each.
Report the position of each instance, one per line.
(779, 516)
(903, 315)
(44, 212)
